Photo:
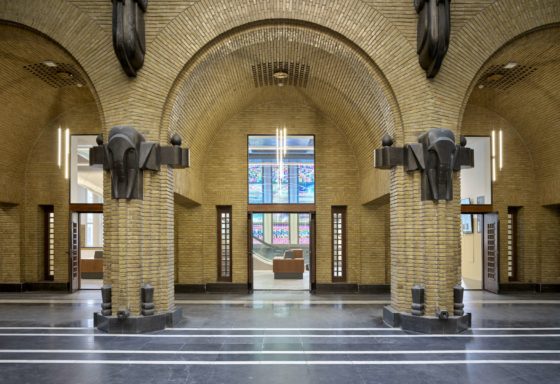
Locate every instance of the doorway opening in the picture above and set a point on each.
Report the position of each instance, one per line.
(91, 250)
(480, 251)
(281, 251)
(86, 250)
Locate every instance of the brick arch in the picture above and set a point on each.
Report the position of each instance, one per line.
(255, 34)
(346, 85)
(362, 24)
(478, 41)
(76, 33)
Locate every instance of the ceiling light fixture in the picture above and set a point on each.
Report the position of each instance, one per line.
(495, 77)
(280, 75)
(65, 75)
(510, 65)
(50, 63)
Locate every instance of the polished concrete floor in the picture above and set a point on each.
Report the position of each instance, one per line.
(264, 280)
(279, 337)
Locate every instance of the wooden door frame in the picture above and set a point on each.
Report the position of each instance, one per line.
(312, 242)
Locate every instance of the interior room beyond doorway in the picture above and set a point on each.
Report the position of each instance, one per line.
(281, 251)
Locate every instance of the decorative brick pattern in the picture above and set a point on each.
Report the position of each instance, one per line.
(225, 183)
(367, 82)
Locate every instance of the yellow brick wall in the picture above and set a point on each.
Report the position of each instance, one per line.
(10, 246)
(139, 235)
(45, 185)
(225, 183)
(517, 186)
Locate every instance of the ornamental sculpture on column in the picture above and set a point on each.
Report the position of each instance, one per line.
(436, 155)
(128, 154)
(434, 28)
(129, 36)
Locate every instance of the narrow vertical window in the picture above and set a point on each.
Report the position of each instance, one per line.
(512, 243)
(339, 244)
(224, 243)
(49, 242)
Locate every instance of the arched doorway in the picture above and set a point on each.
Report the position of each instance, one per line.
(46, 98)
(328, 89)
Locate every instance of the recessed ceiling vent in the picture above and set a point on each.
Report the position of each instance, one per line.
(57, 75)
(280, 73)
(501, 78)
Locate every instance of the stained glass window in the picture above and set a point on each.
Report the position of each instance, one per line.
(281, 176)
(303, 228)
(256, 183)
(281, 228)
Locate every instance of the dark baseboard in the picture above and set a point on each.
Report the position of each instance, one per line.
(336, 288)
(11, 287)
(529, 287)
(46, 286)
(38, 286)
(190, 288)
(518, 287)
(227, 288)
(543, 288)
(375, 288)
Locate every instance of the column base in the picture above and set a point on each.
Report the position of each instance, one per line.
(426, 324)
(137, 324)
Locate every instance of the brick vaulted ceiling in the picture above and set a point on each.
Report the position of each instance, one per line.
(528, 95)
(33, 97)
(326, 73)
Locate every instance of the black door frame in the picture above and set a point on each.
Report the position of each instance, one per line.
(312, 245)
(78, 209)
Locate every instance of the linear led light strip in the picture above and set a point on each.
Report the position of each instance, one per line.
(66, 152)
(501, 152)
(59, 147)
(493, 155)
(281, 150)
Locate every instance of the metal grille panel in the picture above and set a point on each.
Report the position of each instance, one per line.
(63, 75)
(500, 78)
(263, 74)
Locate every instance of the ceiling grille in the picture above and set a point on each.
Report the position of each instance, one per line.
(61, 75)
(298, 74)
(501, 78)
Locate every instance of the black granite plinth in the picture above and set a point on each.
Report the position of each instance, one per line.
(426, 324)
(137, 324)
(391, 317)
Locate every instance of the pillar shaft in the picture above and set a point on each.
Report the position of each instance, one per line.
(425, 244)
(138, 244)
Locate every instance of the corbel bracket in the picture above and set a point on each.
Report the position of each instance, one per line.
(127, 155)
(436, 155)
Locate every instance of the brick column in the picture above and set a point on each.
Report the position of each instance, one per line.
(425, 244)
(425, 251)
(138, 250)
